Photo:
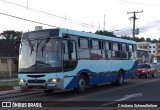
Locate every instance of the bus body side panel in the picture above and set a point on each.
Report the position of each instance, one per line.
(128, 66)
(132, 73)
(99, 73)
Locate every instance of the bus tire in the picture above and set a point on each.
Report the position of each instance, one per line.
(48, 91)
(82, 82)
(113, 83)
(120, 79)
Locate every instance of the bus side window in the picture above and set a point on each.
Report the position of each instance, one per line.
(96, 49)
(84, 52)
(124, 51)
(70, 58)
(130, 53)
(135, 51)
(108, 50)
(65, 50)
(69, 50)
(116, 53)
(103, 49)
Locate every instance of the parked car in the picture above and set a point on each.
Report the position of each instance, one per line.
(146, 70)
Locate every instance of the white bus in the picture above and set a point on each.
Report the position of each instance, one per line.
(52, 59)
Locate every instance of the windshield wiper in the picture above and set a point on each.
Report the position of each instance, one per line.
(45, 44)
(31, 46)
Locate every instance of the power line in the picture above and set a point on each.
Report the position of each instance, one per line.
(140, 3)
(27, 20)
(56, 16)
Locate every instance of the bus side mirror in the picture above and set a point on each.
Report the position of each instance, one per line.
(70, 46)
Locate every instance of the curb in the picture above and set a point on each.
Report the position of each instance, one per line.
(14, 90)
(9, 92)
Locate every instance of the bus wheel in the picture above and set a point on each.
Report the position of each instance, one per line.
(113, 83)
(81, 84)
(48, 91)
(120, 79)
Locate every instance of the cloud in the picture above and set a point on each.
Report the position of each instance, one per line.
(155, 25)
(149, 30)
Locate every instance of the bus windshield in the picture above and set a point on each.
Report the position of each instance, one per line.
(40, 55)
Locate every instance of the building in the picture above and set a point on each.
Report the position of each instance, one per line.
(153, 49)
(8, 59)
(143, 45)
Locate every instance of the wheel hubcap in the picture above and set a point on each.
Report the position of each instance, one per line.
(121, 79)
(81, 83)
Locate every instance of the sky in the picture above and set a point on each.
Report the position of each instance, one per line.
(82, 15)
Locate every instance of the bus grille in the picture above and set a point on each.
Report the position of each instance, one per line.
(36, 81)
(35, 76)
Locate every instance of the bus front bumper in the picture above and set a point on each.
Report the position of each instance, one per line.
(44, 86)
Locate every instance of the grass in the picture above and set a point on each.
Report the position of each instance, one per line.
(8, 84)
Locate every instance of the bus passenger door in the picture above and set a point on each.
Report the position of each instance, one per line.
(69, 62)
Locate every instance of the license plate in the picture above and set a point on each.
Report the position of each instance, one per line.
(51, 84)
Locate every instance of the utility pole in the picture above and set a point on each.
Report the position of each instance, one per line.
(134, 19)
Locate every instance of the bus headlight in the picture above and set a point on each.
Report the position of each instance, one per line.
(22, 81)
(54, 80)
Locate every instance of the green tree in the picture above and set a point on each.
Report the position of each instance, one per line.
(106, 33)
(142, 39)
(148, 40)
(11, 35)
(136, 39)
(154, 41)
(159, 40)
(127, 37)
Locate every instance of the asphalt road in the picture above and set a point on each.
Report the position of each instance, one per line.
(134, 91)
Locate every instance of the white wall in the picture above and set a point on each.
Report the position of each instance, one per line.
(7, 68)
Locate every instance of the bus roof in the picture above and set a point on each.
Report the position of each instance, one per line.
(86, 34)
(96, 36)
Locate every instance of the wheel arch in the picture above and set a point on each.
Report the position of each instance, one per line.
(86, 75)
(123, 72)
